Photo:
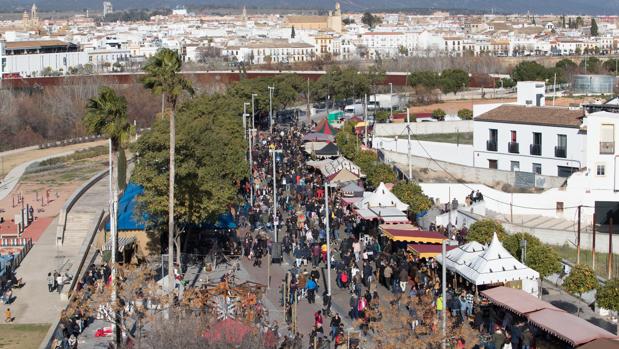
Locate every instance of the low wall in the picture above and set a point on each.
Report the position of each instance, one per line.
(461, 154)
(422, 128)
(469, 174)
(62, 216)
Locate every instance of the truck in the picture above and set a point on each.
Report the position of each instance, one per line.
(354, 109)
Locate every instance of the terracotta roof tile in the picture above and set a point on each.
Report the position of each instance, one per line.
(544, 116)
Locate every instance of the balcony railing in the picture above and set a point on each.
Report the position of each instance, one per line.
(535, 149)
(607, 147)
(491, 146)
(560, 152)
(513, 147)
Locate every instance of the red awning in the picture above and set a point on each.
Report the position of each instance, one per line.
(516, 300)
(411, 233)
(427, 250)
(570, 328)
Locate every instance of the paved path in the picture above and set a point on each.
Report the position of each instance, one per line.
(33, 303)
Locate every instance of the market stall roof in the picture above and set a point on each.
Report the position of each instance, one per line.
(516, 300)
(384, 214)
(411, 233)
(462, 255)
(325, 128)
(496, 265)
(128, 217)
(342, 176)
(318, 137)
(328, 150)
(352, 189)
(601, 344)
(311, 147)
(381, 197)
(570, 328)
(427, 250)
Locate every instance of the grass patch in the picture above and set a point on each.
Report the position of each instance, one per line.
(22, 336)
(455, 138)
(601, 259)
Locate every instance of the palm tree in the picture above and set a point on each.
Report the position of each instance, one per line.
(162, 77)
(106, 114)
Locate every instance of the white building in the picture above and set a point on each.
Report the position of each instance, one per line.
(32, 58)
(541, 140)
(107, 8)
(274, 51)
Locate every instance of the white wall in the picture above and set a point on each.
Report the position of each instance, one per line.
(422, 128)
(462, 154)
(27, 65)
(610, 180)
(576, 155)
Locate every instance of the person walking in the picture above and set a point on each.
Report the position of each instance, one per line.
(8, 316)
(50, 282)
(59, 283)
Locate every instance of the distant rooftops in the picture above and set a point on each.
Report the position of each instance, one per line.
(543, 116)
(37, 44)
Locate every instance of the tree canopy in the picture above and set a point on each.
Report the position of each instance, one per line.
(591, 65)
(465, 114)
(340, 84)
(607, 295)
(539, 256)
(439, 114)
(594, 27)
(411, 194)
(371, 20)
(449, 80)
(580, 280)
(210, 160)
(482, 231)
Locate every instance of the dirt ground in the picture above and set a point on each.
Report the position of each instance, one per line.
(22, 336)
(452, 107)
(11, 159)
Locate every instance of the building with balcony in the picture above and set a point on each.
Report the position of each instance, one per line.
(543, 140)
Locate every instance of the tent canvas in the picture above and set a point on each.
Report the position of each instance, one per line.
(462, 255)
(411, 233)
(343, 176)
(325, 128)
(129, 218)
(381, 197)
(328, 150)
(496, 265)
(318, 137)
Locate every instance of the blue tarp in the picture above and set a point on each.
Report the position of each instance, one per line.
(5, 262)
(224, 221)
(128, 219)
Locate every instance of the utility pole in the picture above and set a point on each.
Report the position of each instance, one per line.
(251, 170)
(114, 237)
(391, 101)
(593, 244)
(253, 113)
(309, 110)
(408, 128)
(578, 237)
(274, 152)
(444, 290)
(610, 249)
(365, 121)
(271, 88)
(328, 239)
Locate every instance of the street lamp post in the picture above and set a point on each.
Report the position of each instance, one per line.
(328, 239)
(444, 290)
(271, 88)
(251, 170)
(245, 115)
(408, 128)
(274, 152)
(390, 101)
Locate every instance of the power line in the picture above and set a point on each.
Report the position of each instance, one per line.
(468, 187)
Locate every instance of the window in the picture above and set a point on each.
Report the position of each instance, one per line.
(493, 164)
(601, 170)
(607, 139)
(559, 206)
(513, 135)
(561, 148)
(537, 168)
(536, 147)
(491, 144)
(515, 166)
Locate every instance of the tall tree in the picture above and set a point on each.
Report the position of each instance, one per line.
(482, 231)
(539, 256)
(371, 20)
(293, 34)
(594, 27)
(106, 114)
(411, 194)
(163, 78)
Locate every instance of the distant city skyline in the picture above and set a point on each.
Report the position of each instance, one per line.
(486, 6)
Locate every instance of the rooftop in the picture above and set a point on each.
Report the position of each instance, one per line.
(35, 44)
(543, 116)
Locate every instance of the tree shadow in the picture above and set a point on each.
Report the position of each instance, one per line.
(567, 306)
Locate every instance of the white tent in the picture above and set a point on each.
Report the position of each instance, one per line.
(463, 255)
(331, 166)
(381, 197)
(496, 265)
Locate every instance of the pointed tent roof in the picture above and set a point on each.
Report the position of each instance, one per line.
(328, 150)
(495, 265)
(381, 197)
(324, 127)
(462, 255)
(351, 187)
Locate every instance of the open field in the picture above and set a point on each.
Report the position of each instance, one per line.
(17, 336)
